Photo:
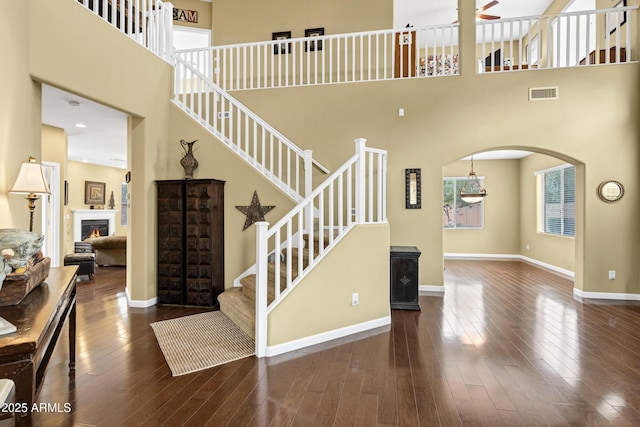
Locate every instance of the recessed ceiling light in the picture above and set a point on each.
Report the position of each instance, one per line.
(80, 125)
(74, 103)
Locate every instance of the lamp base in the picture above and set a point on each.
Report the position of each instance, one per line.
(6, 327)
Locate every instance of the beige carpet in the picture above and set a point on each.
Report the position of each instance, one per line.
(201, 341)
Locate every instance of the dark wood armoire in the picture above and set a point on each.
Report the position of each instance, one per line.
(190, 242)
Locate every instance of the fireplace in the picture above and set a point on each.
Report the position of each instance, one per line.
(85, 219)
(94, 228)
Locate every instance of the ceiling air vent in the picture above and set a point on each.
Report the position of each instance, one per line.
(543, 93)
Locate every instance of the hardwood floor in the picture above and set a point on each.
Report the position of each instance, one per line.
(506, 345)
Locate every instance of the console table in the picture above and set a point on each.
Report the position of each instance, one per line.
(39, 319)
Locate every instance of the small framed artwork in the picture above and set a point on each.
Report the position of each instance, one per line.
(94, 193)
(283, 47)
(312, 45)
(613, 20)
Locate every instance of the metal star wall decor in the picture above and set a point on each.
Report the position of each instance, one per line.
(255, 211)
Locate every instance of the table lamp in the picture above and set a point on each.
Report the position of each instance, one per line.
(30, 181)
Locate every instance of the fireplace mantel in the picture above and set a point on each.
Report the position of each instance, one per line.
(84, 214)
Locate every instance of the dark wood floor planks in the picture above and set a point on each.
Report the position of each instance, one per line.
(506, 345)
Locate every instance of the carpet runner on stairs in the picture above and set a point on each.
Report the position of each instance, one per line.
(239, 303)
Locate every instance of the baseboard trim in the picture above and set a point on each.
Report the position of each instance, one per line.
(561, 271)
(287, 347)
(134, 303)
(433, 289)
(605, 295)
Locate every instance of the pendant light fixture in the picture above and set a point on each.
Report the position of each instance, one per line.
(472, 192)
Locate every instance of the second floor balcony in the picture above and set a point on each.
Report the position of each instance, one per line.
(570, 39)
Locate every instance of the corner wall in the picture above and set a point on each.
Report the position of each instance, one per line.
(322, 302)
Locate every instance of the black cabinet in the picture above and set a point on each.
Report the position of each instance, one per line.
(404, 277)
(190, 242)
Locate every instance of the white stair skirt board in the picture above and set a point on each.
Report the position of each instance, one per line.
(275, 350)
(605, 295)
(496, 257)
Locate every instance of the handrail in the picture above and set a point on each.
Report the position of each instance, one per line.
(337, 58)
(247, 134)
(351, 187)
(148, 22)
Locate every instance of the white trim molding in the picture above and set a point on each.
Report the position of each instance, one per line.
(432, 289)
(275, 350)
(508, 257)
(605, 295)
(134, 303)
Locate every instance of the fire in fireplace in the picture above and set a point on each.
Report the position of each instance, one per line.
(94, 228)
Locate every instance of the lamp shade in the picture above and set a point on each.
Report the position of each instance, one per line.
(30, 179)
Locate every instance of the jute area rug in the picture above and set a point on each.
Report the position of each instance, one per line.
(201, 341)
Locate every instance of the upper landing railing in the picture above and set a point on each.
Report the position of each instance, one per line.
(326, 59)
(548, 41)
(148, 22)
(556, 41)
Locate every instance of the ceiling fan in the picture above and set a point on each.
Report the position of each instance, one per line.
(480, 15)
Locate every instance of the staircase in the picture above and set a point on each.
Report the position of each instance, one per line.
(287, 251)
(239, 303)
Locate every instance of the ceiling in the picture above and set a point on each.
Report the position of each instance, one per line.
(104, 139)
(435, 12)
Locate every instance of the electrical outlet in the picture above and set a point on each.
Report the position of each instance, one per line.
(354, 298)
(527, 247)
(612, 275)
(353, 212)
(223, 115)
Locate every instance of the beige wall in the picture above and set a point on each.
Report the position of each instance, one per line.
(555, 250)
(19, 113)
(322, 304)
(449, 118)
(256, 20)
(108, 57)
(501, 232)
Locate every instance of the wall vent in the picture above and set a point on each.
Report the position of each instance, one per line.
(543, 93)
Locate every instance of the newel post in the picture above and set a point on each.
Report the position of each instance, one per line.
(361, 144)
(261, 287)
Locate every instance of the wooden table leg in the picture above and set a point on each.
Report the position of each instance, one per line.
(72, 335)
(24, 378)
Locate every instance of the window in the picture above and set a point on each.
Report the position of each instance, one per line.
(459, 214)
(557, 200)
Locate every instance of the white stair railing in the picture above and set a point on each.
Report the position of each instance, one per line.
(356, 193)
(263, 147)
(149, 22)
(327, 59)
(559, 40)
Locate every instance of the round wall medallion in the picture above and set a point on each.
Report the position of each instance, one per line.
(610, 191)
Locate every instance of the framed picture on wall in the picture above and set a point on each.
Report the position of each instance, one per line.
(282, 47)
(312, 45)
(94, 193)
